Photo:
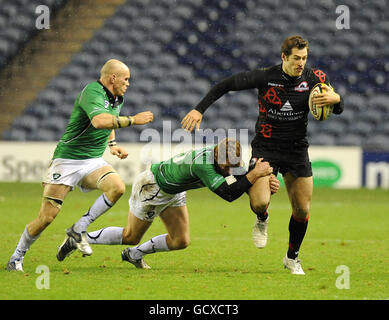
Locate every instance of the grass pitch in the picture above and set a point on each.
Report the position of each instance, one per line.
(347, 232)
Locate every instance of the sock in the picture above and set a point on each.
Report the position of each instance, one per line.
(156, 244)
(110, 235)
(297, 229)
(101, 205)
(263, 215)
(23, 245)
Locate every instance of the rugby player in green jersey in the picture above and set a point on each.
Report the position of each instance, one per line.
(77, 159)
(161, 191)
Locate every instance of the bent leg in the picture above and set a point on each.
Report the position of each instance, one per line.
(176, 220)
(135, 229)
(177, 224)
(53, 196)
(108, 181)
(259, 195)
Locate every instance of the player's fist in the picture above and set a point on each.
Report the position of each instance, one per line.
(119, 152)
(263, 168)
(143, 117)
(192, 120)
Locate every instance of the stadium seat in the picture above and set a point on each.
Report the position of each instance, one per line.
(17, 24)
(177, 51)
(349, 139)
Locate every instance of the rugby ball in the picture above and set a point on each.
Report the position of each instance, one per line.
(319, 113)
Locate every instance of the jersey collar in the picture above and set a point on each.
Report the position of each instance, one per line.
(288, 77)
(114, 101)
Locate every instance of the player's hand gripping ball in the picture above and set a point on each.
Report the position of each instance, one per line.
(319, 113)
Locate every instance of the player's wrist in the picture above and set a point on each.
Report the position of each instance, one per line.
(122, 121)
(337, 98)
(252, 176)
(112, 143)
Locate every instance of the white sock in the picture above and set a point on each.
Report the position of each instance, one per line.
(23, 245)
(110, 235)
(101, 205)
(156, 244)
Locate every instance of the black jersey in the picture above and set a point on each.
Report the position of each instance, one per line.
(282, 101)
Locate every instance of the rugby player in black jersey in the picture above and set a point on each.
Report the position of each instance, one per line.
(281, 135)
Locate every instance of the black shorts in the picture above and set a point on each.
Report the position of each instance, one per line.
(283, 157)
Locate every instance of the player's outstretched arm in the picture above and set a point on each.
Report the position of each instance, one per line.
(233, 191)
(108, 121)
(194, 117)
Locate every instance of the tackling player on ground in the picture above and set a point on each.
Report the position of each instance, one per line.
(161, 191)
(77, 159)
(281, 135)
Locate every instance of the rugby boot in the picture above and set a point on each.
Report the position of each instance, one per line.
(294, 265)
(138, 263)
(260, 233)
(81, 241)
(15, 265)
(66, 248)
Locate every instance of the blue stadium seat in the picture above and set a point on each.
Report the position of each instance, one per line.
(177, 51)
(17, 24)
(350, 139)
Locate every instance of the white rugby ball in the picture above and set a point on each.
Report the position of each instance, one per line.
(319, 113)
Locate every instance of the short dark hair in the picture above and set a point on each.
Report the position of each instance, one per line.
(293, 42)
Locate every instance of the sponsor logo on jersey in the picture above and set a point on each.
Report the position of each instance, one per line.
(303, 86)
(274, 84)
(287, 106)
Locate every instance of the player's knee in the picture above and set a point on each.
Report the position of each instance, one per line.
(116, 191)
(180, 243)
(301, 213)
(129, 238)
(45, 220)
(49, 210)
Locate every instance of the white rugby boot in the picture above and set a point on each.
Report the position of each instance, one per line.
(260, 233)
(81, 241)
(15, 265)
(294, 265)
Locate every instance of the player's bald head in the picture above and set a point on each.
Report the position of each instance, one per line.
(115, 76)
(113, 66)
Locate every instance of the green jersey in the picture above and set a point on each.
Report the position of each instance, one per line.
(81, 140)
(190, 170)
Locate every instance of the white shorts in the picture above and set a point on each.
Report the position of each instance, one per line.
(71, 172)
(147, 200)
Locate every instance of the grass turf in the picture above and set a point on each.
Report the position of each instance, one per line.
(346, 228)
